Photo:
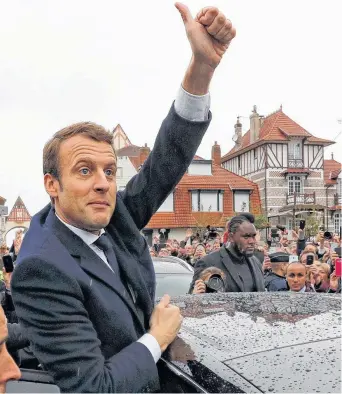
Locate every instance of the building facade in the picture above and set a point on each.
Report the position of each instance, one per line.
(206, 195)
(287, 163)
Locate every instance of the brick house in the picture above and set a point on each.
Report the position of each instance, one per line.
(286, 162)
(206, 195)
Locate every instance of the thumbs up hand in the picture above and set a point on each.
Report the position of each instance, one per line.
(209, 34)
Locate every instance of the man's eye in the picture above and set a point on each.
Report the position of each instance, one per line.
(109, 172)
(84, 171)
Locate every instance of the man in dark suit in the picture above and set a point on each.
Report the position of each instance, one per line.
(241, 270)
(84, 283)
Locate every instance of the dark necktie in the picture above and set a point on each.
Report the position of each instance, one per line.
(106, 246)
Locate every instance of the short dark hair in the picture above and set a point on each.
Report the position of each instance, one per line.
(52, 147)
(236, 221)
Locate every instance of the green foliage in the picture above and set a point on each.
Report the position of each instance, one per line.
(261, 222)
(1, 275)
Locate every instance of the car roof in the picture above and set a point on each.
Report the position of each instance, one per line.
(266, 341)
(170, 264)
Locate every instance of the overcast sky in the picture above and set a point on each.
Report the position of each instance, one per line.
(122, 62)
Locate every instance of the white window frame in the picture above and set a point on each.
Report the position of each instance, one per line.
(337, 222)
(213, 208)
(245, 192)
(295, 181)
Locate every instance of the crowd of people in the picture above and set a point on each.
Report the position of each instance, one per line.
(288, 259)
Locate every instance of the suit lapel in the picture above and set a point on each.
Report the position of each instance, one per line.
(259, 284)
(226, 261)
(91, 262)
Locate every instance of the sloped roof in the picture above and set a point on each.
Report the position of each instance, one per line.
(220, 179)
(332, 169)
(19, 205)
(196, 157)
(276, 127)
(130, 150)
(119, 130)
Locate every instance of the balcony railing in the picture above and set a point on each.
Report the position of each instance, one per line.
(295, 163)
(301, 198)
(337, 199)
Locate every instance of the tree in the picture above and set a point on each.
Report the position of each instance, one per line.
(312, 223)
(261, 222)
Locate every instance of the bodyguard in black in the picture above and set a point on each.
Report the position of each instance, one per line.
(242, 270)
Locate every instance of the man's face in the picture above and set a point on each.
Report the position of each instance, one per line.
(244, 238)
(164, 252)
(295, 276)
(85, 195)
(189, 250)
(8, 368)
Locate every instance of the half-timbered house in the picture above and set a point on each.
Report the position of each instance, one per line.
(287, 163)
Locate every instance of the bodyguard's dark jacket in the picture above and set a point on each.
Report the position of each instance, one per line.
(275, 282)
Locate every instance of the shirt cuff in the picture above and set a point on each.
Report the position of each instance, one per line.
(192, 107)
(152, 345)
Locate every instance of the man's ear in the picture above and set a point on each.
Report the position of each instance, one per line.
(51, 185)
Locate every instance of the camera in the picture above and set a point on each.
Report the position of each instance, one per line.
(211, 232)
(214, 279)
(328, 235)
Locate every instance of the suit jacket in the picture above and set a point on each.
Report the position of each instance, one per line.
(82, 324)
(222, 260)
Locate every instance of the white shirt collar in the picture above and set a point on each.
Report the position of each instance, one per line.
(86, 236)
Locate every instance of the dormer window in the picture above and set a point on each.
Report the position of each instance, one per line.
(200, 167)
(207, 200)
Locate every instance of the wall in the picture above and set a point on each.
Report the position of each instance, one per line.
(128, 171)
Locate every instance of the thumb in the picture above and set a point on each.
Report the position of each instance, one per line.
(185, 13)
(165, 300)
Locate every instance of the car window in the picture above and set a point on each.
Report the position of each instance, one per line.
(174, 285)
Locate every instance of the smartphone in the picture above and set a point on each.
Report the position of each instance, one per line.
(290, 235)
(8, 263)
(302, 224)
(309, 260)
(338, 263)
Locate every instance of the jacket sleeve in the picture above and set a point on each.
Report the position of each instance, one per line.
(174, 149)
(51, 309)
(16, 340)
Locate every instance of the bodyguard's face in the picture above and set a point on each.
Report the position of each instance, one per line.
(85, 195)
(8, 368)
(244, 238)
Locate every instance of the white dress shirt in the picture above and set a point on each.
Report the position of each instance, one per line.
(189, 107)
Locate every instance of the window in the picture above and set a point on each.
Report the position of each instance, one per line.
(295, 184)
(290, 223)
(207, 200)
(167, 205)
(337, 222)
(295, 149)
(202, 168)
(239, 162)
(119, 172)
(241, 201)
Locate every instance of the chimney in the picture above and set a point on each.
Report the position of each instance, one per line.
(216, 154)
(144, 151)
(332, 155)
(238, 133)
(255, 125)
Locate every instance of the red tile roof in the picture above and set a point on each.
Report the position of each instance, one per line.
(276, 127)
(220, 179)
(198, 158)
(332, 168)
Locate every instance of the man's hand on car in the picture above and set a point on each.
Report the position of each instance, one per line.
(165, 322)
(199, 287)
